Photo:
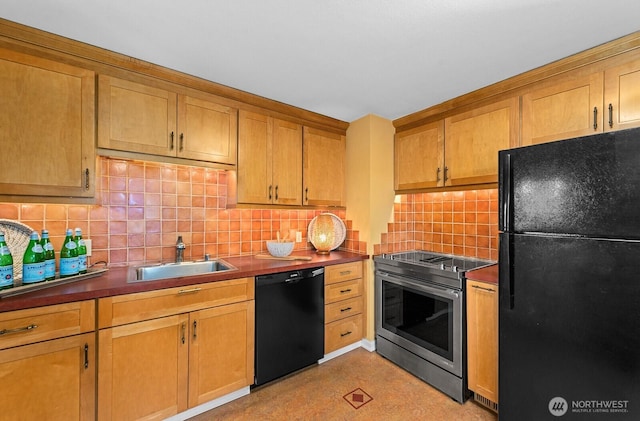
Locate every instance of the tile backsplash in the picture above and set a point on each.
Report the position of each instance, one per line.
(463, 223)
(142, 207)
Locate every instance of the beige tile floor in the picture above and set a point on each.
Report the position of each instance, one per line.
(375, 388)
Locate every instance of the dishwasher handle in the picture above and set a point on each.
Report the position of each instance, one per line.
(290, 277)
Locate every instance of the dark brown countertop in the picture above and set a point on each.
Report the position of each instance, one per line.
(114, 281)
(487, 274)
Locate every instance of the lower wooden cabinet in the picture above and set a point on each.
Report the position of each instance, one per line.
(151, 369)
(343, 305)
(47, 363)
(482, 339)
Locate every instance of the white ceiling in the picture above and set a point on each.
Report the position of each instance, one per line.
(341, 58)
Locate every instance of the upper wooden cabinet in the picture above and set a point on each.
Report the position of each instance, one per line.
(269, 160)
(562, 108)
(324, 157)
(47, 121)
(473, 139)
(622, 96)
(146, 119)
(418, 157)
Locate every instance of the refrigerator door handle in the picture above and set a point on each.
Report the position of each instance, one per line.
(505, 192)
(505, 275)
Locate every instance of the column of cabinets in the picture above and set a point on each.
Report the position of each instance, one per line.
(343, 305)
(48, 362)
(482, 341)
(284, 163)
(162, 352)
(154, 120)
(461, 150)
(47, 116)
(269, 160)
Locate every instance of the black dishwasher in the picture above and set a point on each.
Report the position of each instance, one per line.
(289, 322)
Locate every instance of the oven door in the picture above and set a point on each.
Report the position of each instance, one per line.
(422, 318)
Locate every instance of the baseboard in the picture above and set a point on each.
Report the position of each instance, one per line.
(209, 405)
(364, 343)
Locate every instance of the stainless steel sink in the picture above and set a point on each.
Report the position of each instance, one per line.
(176, 270)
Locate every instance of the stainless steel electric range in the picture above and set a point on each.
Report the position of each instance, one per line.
(420, 316)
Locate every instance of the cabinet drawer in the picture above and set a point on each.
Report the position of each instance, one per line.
(342, 272)
(342, 291)
(341, 309)
(32, 325)
(118, 310)
(342, 333)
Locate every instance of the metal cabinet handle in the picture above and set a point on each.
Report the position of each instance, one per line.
(610, 115)
(342, 335)
(345, 272)
(183, 330)
(306, 194)
(446, 171)
(195, 326)
(86, 179)
(18, 330)
(189, 291)
(270, 189)
(171, 144)
(181, 142)
(86, 356)
(595, 118)
(482, 288)
(438, 175)
(345, 290)
(276, 192)
(345, 309)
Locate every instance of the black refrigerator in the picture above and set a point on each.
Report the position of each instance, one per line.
(569, 272)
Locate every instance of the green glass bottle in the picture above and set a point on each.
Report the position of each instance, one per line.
(68, 256)
(33, 261)
(6, 264)
(49, 257)
(82, 251)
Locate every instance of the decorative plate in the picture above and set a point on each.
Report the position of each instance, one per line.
(339, 230)
(17, 235)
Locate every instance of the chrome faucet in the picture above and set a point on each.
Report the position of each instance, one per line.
(180, 246)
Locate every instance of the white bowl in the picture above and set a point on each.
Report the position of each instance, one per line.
(280, 249)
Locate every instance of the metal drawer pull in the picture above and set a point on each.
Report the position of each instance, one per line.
(189, 291)
(345, 290)
(17, 330)
(342, 335)
(482, 288)
(345, 272)
(345, 309)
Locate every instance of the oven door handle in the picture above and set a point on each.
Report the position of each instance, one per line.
(423, 287)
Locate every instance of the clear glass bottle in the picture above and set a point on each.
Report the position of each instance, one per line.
(82, 251)
(49, 257)
(6, 264)
(33, 261)
(68, 256)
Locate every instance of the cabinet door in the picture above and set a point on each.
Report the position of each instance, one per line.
(254, 158)
(47, 121)
(323, 173)
(135, 117)
(622, 96)
(208, 131)
(482, 337)
(221, 351)
(143, 369)
(419, 157)
(51, 380)
(473, 139)
(569, 107)
(286, 155)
